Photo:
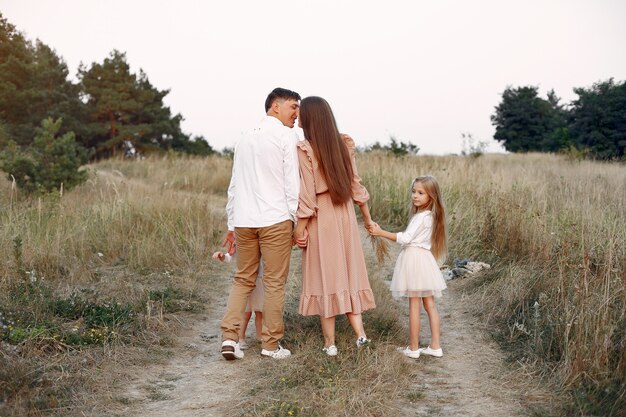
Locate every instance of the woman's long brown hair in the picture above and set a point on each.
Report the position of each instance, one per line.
(320, 129)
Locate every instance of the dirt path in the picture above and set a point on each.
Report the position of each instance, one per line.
(197, 381)
(472, 379)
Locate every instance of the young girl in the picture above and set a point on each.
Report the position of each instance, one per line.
(255, 303)
(417, 274)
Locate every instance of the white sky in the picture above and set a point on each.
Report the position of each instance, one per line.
(424, 72)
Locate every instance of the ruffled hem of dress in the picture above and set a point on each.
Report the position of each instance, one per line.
(335, 304)
(415, 293)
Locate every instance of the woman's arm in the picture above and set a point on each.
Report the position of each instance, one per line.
(367, 217)
(307, 200)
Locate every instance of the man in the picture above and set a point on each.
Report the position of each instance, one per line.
(262, 203)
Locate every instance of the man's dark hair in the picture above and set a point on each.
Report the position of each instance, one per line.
(280, 93)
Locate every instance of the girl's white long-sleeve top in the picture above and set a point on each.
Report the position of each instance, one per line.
(419, 231)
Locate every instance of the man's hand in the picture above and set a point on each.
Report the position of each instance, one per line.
(229, 242)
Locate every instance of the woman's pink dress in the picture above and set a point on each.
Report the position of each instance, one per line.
(334, 277)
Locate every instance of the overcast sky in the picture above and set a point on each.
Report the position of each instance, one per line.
(424, 72)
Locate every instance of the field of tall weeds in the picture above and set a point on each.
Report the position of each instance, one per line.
(88, 274)
(554, 231)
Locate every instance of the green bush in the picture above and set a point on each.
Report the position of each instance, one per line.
(395, 148)
(50, 163)
(70, 320)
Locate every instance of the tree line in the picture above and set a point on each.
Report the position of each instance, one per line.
(50, 126)
(108, 108)
(594, 124)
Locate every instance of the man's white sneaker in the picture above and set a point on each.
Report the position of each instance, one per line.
(231, 350)
(331, 350)
(431, 352)
(362, 341)
(413, 354)
(280, 353)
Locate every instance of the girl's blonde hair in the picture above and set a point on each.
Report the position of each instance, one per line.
(438, 245)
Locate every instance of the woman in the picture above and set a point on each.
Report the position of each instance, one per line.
(334, 277)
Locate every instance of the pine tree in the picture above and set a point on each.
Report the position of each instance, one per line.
(34, 85)
(125, 107)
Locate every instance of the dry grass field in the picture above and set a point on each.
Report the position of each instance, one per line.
(110, 271)
(555, 232)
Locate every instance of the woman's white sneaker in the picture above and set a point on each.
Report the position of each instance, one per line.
(362, 341)
(330, 350)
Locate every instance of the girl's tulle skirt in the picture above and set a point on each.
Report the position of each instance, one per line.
(417, 274)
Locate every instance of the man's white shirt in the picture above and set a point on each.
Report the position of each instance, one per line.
(265, 181)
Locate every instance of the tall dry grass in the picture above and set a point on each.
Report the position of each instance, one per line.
(85, 273)
(156, 213)
(555, 232)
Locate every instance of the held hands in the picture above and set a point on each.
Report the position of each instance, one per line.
(371, 225)
(374, 229)
(301, 238)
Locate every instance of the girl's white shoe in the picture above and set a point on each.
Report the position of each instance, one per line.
(413, 354)
(438, 353)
